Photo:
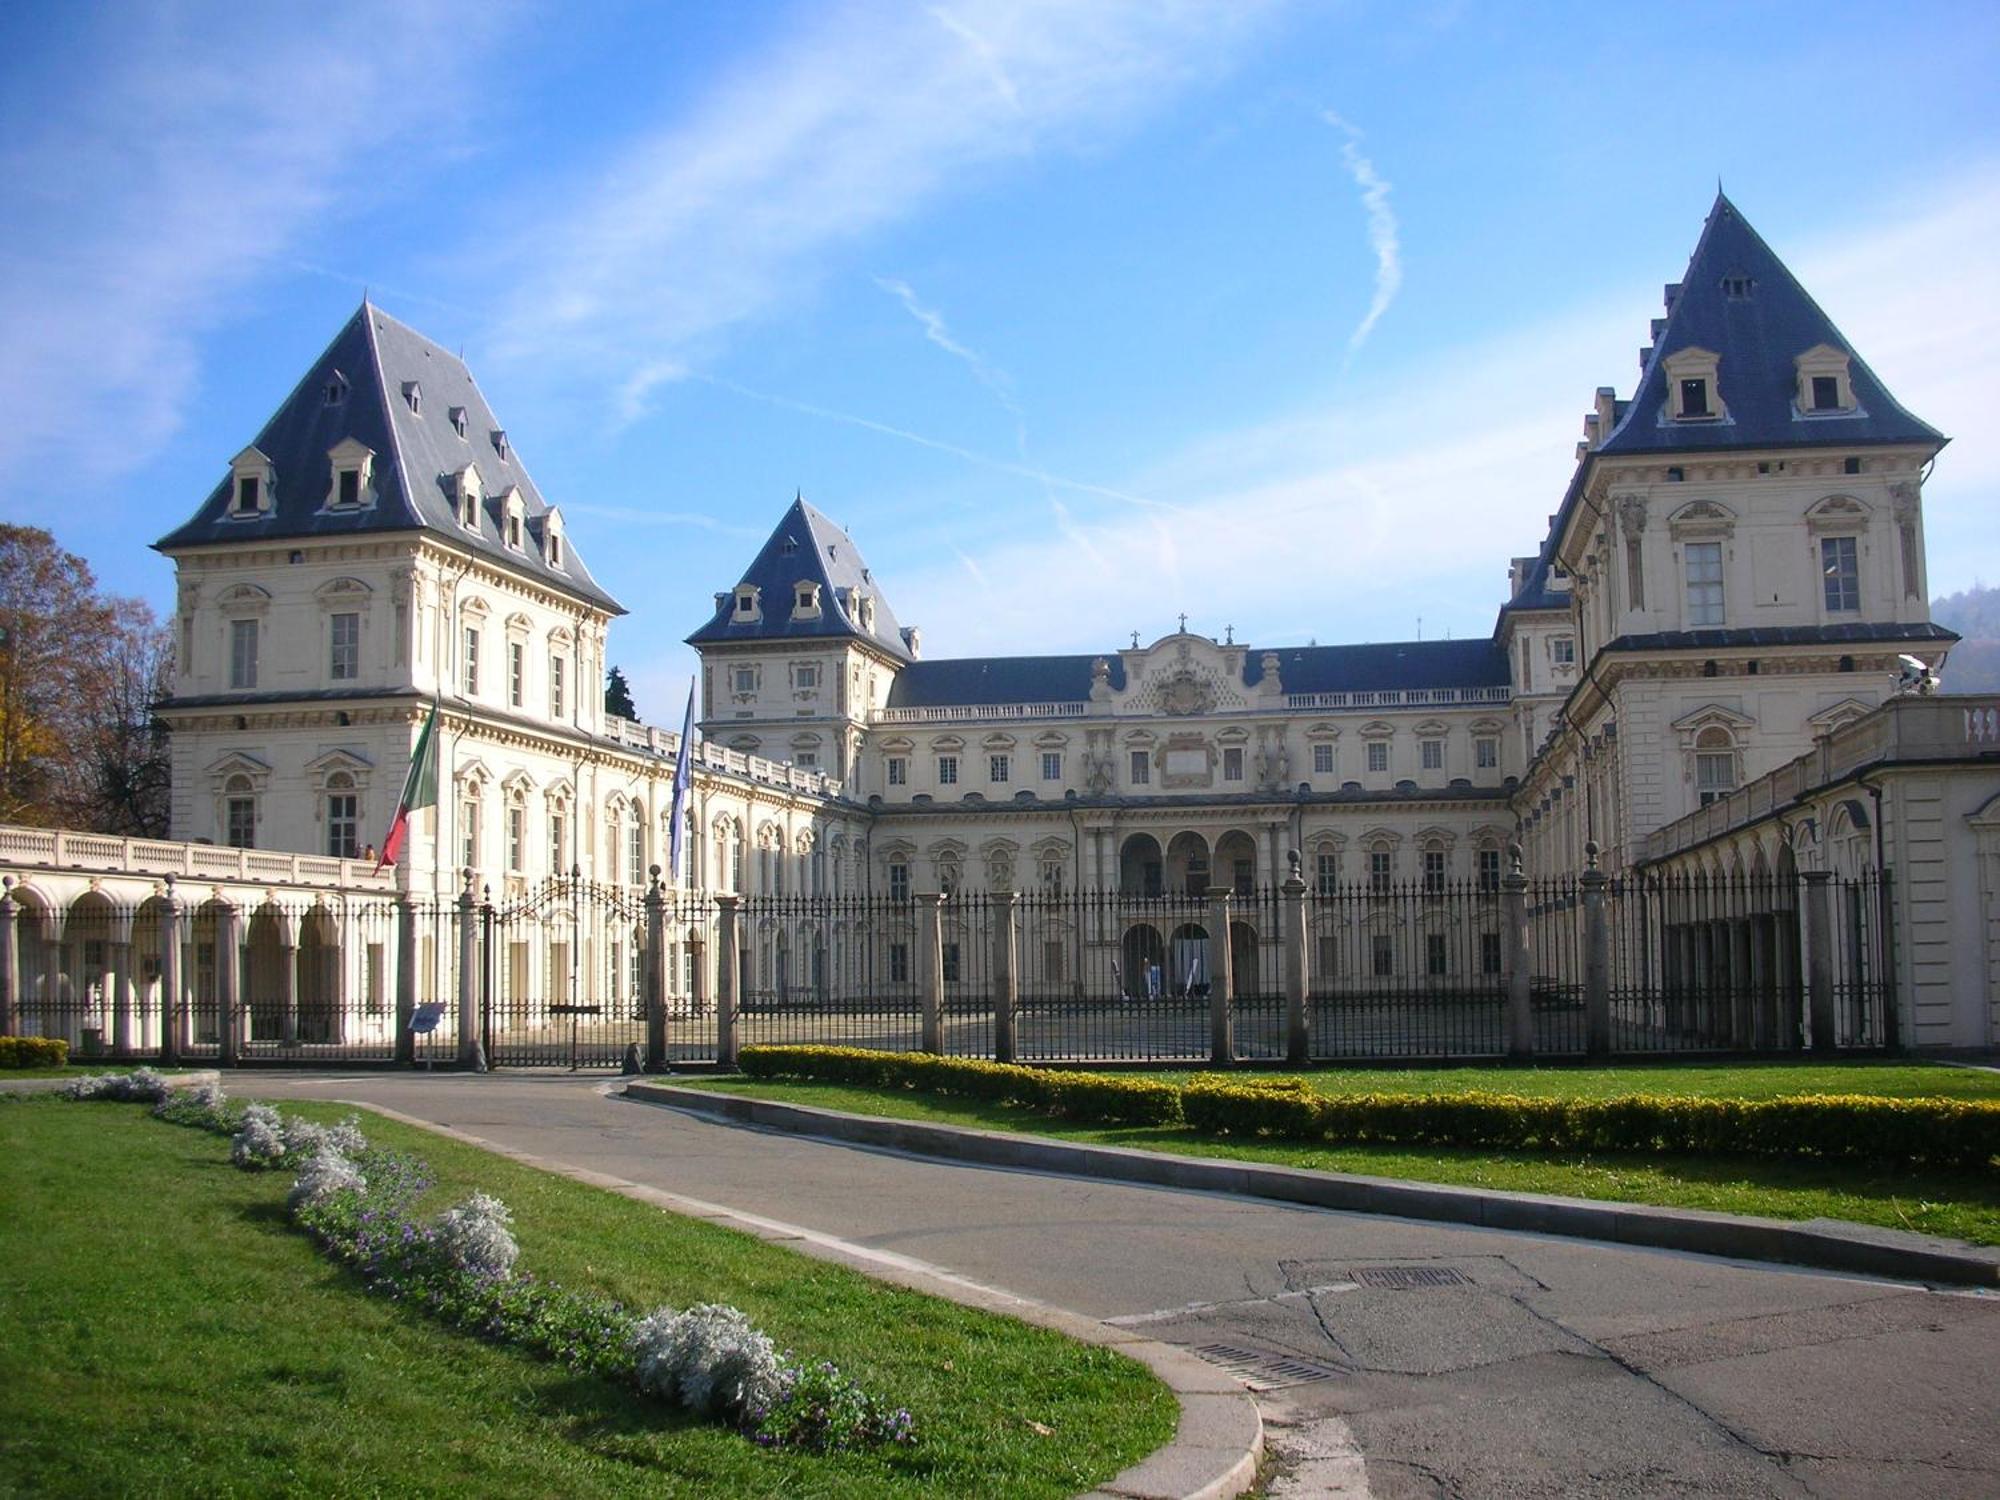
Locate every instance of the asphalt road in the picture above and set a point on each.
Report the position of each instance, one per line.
(1459, 1361)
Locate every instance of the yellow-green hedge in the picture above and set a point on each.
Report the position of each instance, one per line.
(33, 1052)
(1092, 1097)
(1934, 1132)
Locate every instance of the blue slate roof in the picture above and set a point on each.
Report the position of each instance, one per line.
(417, 451)
(983, 681)
(807, 548)
(1757, 336)
(1780, 635)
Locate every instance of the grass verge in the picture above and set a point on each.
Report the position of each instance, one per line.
(171, 1333)
(1961, 1205)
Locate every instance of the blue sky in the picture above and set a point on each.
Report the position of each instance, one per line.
(1078, 314)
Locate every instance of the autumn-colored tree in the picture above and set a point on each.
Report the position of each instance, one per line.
(79, 672)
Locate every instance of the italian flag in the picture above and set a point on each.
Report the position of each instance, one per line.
(420, 789)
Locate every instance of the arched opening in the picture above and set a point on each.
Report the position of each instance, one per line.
(1236, 862)
(1187, 864)
(1190, 973)
(1142, 961)
(268, 996)
(1141, 869)
(1243, 968)
(319, 978)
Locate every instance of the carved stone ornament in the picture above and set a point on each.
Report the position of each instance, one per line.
(1185, 693)
(1631, 512)
(1904, 497)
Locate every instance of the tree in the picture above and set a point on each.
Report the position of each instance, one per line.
(79, 672)
(618, 696)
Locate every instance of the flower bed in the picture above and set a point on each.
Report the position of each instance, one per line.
(356, 1201)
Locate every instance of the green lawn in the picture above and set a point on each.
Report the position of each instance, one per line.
(1960, 1205)
(169, 1333)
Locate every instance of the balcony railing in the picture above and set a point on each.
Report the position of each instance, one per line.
(63, 849)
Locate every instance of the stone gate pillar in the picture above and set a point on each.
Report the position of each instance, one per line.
(406, 977)
(471, 1052)
(1520, 1000)
(171, 996)
(930, 969)
(1006, 974)
(728, 976)
(10, 961)
(1298, 1038)
(1221, 979)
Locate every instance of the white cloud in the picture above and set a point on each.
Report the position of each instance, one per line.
(200, 144)
(996, 380)
(1349, 518)
(1384, 235)
(861, 116)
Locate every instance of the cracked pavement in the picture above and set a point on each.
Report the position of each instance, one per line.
(1546, 1367)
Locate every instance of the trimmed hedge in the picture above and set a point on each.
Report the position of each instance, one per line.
(1094, 1098)
(1929, 1132)
(33, 1052)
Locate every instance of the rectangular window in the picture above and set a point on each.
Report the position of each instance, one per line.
(242, 653)
(1564, 649)
(1436, 958)
(1244, 877)
(949, 959)
(899, 963)
(350, 487)
(1329, 955)
(468, 833)
(804, 676)
(998, 768)
(471, 661)
(1323, 760)
(1489, 869)
(1142, 768)
(1434, 869)
(1379, 869)
(808, 759)
(1326, 872)
(1382, 955)
(899, 881)
(343, 822)
(1052, 960)
(1694, 398)
(947, 770)
(1714, 775)
(344, 647)
(239, 819)
(517, 830)
(1826, 393)
(745, 680)
(1232, 763)
(1489, 953)
(556, 665)
(558, 842)
(1839, 562)
(517, 673)
(1052, 765)
(899, 770)
(1703, 561)
(246, 495)
(635, 853)
(1486, 753)
(1433, 753)
(1378, 755)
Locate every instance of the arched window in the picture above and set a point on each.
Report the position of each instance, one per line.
(468, 827)
(1714, 764)
(517, 829)
(239, 813)
(635, 846)
(343, 817)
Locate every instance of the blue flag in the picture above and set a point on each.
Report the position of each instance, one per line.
(683, 778)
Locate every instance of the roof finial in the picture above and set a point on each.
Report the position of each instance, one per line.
(1183, 622)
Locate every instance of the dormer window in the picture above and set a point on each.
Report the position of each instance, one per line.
(1737, 288)
(457, 415)
(336, 389)
(1824, 388)
(746, 603)
(805, 601)
(466, 497)
(414, 394)
(353, 466)
(248, 489)
(552, 538)
(514, 510)
(500, 444)
(251, 485)
(1693, 391)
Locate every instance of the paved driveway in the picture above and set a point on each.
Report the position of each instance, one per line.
(1462, 1362)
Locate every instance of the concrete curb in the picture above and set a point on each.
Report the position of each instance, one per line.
(1820, 1243)
(1216, 1447)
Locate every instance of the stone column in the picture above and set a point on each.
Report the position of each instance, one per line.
(1298, 1038)
(1221, 980)
(288, 993)
(1817, 898)
(171, 1024)
(656, 975)
(728, 976)
(10, 961)
(118, 994)
(406, 977)
(471, 1052)
(1520, 1002)
(1006, 973)
(930, 969)
(228, 984)
(1596, 957)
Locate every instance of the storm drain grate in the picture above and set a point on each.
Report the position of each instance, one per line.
(1261, 1371)
(1407, 1278)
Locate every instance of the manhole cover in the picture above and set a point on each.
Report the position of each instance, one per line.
(1407, 1278)
(1261, 1371)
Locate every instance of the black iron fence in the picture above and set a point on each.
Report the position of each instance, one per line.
(583, 975)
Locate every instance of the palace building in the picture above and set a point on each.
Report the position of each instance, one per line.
(1729, 589)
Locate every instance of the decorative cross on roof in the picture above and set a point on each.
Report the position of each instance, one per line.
(1229, 635)
(1183, 622)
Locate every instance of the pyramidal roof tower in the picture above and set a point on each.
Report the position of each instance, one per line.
(1740, 320)
(808, 582)
(388, 432)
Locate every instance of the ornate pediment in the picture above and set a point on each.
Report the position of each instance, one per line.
(1183, 676)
